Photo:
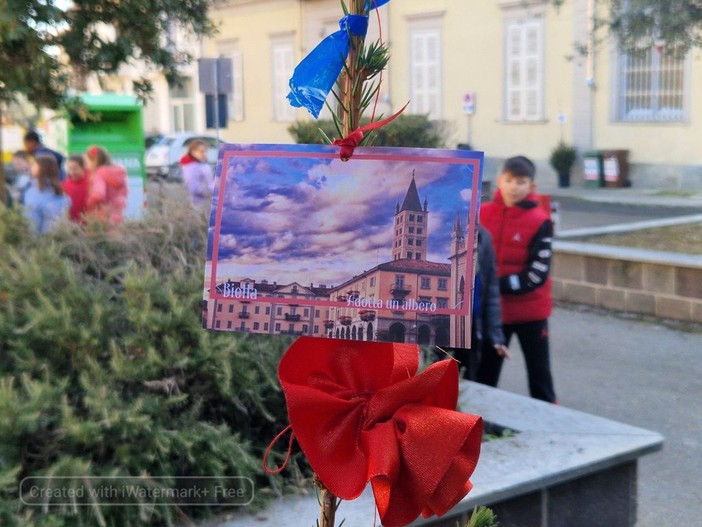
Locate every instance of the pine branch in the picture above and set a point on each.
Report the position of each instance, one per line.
(362, 64)
(483, 517)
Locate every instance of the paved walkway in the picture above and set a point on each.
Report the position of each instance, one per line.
(641, 373)
(631, 195)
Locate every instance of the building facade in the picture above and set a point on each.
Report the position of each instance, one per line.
(514, 60)
(242, 310)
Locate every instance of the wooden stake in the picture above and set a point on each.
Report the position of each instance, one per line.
(327, 504)
(3, 187)
(351, 87)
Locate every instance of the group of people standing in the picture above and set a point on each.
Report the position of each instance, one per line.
(513, 286)
(89, 185)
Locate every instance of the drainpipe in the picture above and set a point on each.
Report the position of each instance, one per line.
(591, 12)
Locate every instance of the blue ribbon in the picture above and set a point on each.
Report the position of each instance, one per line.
(315, 76)
(374, 3)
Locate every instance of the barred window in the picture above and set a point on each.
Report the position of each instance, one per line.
(652, 85)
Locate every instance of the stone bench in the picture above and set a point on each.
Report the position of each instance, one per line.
(561, 468)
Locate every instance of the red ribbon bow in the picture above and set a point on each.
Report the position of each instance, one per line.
(360, 413)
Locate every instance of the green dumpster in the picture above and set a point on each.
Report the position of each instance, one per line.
(593, 169)
(116, 124)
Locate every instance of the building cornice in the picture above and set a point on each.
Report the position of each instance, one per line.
(511, 4)
(425, 14)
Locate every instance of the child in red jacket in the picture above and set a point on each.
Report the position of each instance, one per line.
(76, 186)
(521, 233)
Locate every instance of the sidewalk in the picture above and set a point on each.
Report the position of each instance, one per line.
(629, 196)
(639, 372)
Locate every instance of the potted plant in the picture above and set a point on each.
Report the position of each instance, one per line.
(562, 160)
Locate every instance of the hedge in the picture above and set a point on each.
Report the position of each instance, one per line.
(106, 371)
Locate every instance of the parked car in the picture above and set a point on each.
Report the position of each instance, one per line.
(152, 139)
(163, 158)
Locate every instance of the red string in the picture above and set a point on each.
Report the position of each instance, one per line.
(380, 78)
(351, 141)
(287, 455)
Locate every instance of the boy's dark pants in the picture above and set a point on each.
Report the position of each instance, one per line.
(469, 359)
(533, 338)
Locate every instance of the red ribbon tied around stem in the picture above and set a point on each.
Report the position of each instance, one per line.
(351, 141)
(360, 413)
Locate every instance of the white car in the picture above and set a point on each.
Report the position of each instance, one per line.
(163, 158)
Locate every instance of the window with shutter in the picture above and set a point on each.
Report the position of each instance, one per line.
(283, 63)
(236, 98)
(182, 102)
(524, 70)
(425, 72)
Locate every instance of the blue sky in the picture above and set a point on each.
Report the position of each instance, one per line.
(315, 220)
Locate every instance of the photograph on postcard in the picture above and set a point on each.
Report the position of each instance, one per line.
(378, 248)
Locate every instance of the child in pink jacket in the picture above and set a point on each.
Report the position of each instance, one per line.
(107, 197)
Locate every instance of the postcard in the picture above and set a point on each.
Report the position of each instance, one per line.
(379, 247)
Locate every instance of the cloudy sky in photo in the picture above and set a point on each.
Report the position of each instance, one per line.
(320, 220)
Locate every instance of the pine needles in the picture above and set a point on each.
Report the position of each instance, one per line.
(105, 369)
(359, 82)
(483, 517)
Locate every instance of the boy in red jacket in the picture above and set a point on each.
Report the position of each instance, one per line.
(521, 233)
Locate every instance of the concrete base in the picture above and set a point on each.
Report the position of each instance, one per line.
(563, 468)
(655, 283)
(606, 498)
(669, 177)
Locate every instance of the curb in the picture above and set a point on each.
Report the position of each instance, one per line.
(626, 196)
(628, 227)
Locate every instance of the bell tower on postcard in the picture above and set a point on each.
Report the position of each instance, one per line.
(410, 226)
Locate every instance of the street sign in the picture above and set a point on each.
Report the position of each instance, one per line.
(216, 117)
(215, 76)
(215, 81)
(469, 103)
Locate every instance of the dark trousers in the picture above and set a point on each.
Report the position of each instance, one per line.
(469, 358)
(533, 338)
